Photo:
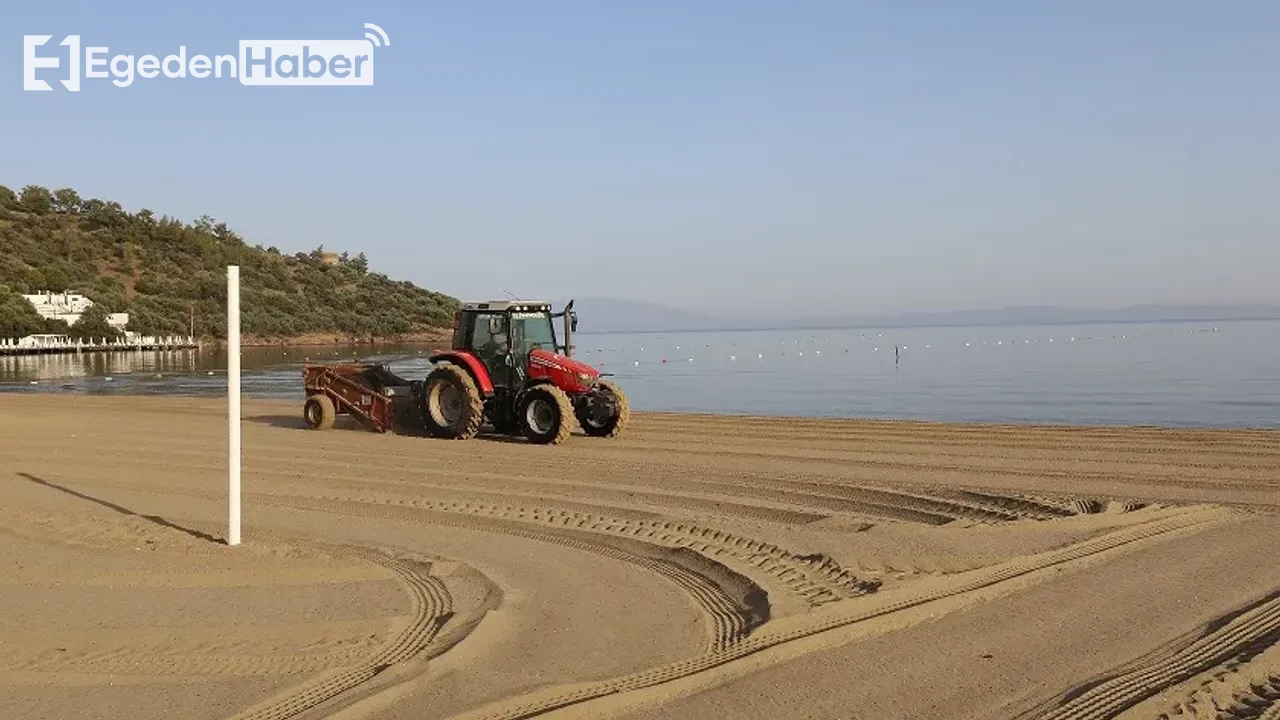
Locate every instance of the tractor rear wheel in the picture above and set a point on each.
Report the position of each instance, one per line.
(605, 411)
(546, 415)
(451, 404)
(319, 412)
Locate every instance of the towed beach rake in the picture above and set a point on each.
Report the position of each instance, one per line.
(370, 393)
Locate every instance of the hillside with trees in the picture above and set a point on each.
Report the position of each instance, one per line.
(168, 274)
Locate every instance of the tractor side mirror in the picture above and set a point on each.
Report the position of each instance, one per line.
(573, 321)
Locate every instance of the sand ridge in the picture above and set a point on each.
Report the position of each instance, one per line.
(406, 577)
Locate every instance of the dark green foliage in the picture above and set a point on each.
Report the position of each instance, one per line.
(18, 318)
(66, 200)
(163, 272)
(36, 199)
(92, 324)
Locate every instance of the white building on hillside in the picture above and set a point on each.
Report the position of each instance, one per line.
(68, 307)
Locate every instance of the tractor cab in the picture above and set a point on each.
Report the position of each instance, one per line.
(503, 336)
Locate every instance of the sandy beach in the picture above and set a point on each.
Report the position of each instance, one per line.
(698, 567)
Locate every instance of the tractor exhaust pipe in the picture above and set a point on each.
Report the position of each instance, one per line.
(570, 324)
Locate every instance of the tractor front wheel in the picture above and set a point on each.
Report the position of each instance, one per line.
(451, 404)
(546, 415)
(319, 412)
(605, 411)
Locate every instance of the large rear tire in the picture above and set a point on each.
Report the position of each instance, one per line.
(605, 411)
(451, 404)
(546, 415)
(319, 412)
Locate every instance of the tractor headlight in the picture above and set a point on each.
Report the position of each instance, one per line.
(584, 378)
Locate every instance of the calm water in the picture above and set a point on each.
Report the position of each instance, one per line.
(1224, 374)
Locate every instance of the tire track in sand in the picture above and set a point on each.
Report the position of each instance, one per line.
(1231, 639)
(841, 615)
(790, 500)
(431, 608)
(814, 578)
(1274, 712)
(1247, 698)
(734, 605)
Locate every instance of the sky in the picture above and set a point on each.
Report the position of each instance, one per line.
(717, 155)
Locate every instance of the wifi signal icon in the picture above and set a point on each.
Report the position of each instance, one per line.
(378, 36)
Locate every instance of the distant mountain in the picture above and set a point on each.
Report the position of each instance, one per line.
(604, 314)
(601, 314)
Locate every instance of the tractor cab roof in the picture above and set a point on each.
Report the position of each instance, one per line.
(508, 305)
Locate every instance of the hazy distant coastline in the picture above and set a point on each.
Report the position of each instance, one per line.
(606, 315)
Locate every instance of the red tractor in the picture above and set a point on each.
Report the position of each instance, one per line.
(506, 367)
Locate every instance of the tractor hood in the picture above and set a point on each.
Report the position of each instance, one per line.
(568, 374)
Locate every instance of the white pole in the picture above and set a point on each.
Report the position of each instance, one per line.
(233, 402)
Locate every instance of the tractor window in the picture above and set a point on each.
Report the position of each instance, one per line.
(530, 331)
(489, 339)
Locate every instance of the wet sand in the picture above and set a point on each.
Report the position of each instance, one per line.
(699, 566)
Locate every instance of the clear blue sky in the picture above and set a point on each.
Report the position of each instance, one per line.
(770, 156)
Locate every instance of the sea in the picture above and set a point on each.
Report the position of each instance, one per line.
(1184, 374)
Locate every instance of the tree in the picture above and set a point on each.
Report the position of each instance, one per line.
(36, 199)
(18, 318)
(7, 198)
(93, 324)
(66, 200)
(55, 279)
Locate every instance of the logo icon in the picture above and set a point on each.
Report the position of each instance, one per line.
(379, 39)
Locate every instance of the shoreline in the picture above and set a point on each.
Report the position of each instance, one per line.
(443, 335)
(59, 388)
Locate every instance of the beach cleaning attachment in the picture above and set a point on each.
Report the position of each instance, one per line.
(370, 393)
